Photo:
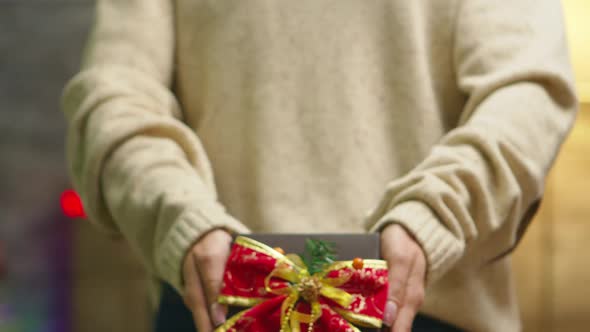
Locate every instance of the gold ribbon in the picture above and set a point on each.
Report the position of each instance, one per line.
(309, 287)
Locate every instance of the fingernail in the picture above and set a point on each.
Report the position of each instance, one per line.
(217, 313)
(390, 313)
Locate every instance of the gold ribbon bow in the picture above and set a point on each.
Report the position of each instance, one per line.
(309, 287)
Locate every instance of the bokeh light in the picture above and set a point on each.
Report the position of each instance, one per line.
(71, 204)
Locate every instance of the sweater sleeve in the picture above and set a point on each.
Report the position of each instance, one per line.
(141, 172)
(473, 193)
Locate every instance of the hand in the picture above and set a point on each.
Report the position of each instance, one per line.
(203, 272)
(407, 269)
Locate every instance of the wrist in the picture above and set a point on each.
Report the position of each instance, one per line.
(441, 248)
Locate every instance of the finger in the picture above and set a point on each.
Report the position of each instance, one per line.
(195, 297)
(404, 320)
(398, 276)
(399, 261)
(415, 289)
(211, 270)
(414, 297)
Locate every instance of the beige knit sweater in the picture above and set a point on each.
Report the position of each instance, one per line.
(326, 116)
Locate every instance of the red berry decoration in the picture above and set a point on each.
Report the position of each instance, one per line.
(357, 263)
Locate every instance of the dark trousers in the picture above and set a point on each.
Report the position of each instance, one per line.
(173, 316)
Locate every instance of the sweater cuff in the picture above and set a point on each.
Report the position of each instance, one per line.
(441, 248)
(184, 233)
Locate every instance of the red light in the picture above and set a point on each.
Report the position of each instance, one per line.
(71, 204)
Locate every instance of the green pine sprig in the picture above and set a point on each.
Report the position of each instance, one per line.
(318, 254)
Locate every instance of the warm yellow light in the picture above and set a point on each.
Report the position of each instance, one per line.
(577, 14)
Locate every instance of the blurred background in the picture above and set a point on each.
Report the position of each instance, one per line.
(58, 274)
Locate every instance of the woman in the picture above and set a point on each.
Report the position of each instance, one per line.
(441, 118)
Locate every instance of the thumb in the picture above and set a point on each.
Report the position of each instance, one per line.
(211, 268)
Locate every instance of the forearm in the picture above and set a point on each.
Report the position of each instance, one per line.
(471, 193)
(140, 170)
(160, 203)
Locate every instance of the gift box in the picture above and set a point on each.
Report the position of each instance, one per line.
(304, 282)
